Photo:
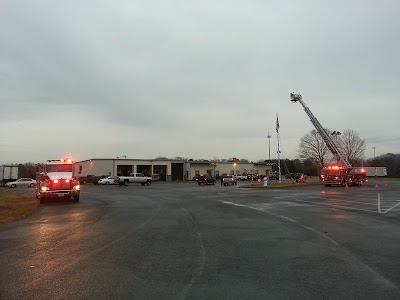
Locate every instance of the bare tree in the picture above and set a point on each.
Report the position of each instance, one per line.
(352, 146)
(312, 147)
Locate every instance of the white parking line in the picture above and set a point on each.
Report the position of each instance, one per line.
(365, 203)
(391, 208)
(333, 205)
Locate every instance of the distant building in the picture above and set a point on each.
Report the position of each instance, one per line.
(165, 169)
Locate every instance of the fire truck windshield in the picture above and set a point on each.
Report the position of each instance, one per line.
(330, 171)
(59, 168)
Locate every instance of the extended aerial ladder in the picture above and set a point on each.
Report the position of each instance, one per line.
(330, 143)
(333, 174)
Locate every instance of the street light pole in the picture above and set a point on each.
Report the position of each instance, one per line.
(336, 133)
(374, 160)
(269, 146)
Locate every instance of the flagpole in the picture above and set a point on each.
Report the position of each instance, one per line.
(279, 151)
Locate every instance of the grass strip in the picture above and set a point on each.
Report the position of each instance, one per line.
(14, 206)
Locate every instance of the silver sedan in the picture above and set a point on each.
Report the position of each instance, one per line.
(29, 182)
(108, 180)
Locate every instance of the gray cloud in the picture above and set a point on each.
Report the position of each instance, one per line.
(193, 78)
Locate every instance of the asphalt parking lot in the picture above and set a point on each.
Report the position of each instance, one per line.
(184, 241)
(373, 197)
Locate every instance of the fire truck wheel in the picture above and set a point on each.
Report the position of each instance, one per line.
(343, 183)
(76, 198)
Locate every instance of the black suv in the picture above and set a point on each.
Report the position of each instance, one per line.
(206, 179)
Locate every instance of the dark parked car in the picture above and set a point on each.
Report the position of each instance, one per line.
(90, 179)
(296, 176)
(229, 179)
(206, 179)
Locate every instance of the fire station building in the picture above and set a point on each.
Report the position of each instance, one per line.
(165, 169)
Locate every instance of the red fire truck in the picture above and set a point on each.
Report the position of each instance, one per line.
(55, 179)
(341, 172)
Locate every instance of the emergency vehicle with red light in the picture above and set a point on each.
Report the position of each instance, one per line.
(334, 174)
(55, 179)
(341, 172)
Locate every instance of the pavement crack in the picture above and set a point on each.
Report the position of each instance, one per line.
(184, 292)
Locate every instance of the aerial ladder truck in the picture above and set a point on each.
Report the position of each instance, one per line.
(341, 172)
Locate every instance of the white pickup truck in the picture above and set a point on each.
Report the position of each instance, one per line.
(135, 178)
(240, 177)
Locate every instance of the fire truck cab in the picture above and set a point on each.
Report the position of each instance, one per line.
(335, 174)
(55, 179)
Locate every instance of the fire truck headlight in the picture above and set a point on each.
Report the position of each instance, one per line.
(77, 187)
(44, 188)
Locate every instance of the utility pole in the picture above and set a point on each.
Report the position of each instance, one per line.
(269, 146)
(279, 151)
(374, 160)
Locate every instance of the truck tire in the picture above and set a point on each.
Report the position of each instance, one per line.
(76, 198)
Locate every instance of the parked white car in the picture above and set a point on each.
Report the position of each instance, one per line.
(29, 182)
(136, 178)
(240, 177)
(109, 180)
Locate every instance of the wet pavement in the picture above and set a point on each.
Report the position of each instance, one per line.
(181, 240)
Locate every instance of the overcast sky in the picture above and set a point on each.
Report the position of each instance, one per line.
(198, 79)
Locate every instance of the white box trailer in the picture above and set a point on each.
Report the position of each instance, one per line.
(8, 173)
(376, 171)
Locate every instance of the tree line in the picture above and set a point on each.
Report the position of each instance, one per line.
(313, 155)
